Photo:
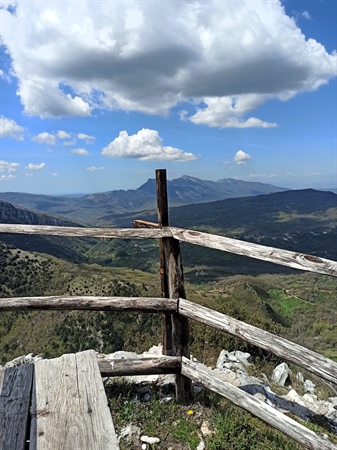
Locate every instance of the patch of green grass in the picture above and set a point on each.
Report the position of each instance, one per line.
(286, 304)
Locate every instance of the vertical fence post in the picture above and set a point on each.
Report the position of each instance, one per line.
(163, 221)
(176, 335)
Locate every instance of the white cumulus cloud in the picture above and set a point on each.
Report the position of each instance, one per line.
(80, 151)
(67, 138)
(7, 169)
(227, 112)
(32, 166)
(241, 157)
(145, 145)
(45, 138)
(9, 128)
(86, 137)
(60, 134)
(223, 57)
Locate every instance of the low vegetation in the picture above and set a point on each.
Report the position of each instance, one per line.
(211, 418)
(298, 306)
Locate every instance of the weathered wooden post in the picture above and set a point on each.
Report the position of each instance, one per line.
(163, 221)
(176, 335)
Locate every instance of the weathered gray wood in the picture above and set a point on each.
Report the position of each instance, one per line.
(138, 366)
(314, 362)
(201, 374)
(175, 327)
(69, 405)
(274, 255)
(146, 304)
(108, 233)
(15, 392)
(180, 326)
(163, 221)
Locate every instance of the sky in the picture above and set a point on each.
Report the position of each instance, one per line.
(96, 95)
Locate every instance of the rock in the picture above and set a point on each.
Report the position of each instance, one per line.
(130, 434)
(229, 360)
(293, 396)
(166, 399)
(299, 377)
(281, 374)
(205, 429)
(242, 357)
(149, 440)
(201, 445)
(221, 359)
(155, 350)
(309, 386)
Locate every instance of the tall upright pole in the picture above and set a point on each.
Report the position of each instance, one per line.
(176, 335)
(163, 221)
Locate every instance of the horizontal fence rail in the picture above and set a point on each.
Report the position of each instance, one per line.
(66, 303)
(201, 374)
(139, 366)
(149, 230)
(124, 233)
(274, 255)
(314, 362)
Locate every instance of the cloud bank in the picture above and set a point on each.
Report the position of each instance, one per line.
(146, 145)
(224, 58)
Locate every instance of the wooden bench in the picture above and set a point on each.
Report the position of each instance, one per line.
(55, 404)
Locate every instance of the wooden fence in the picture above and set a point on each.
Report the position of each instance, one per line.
(177, 311)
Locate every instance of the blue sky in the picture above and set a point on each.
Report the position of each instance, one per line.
(96, 95)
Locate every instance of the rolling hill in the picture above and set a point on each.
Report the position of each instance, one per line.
(301, 220)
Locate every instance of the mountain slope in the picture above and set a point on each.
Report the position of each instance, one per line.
(181, 191)
(304, 221)
(72, 249)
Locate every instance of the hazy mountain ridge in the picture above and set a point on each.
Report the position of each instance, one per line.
(181, 191)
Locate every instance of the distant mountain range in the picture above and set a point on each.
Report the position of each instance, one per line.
(300, 220)
(181, 191)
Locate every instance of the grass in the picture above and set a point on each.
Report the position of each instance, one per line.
(219, 423)
(287, 304)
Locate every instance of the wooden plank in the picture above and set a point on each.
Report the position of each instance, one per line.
(299, 433)
(69, 405)
(15, 394)
(138, 366)
(146, 304)
(274, 255)
(314, 362)
(107, 233)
